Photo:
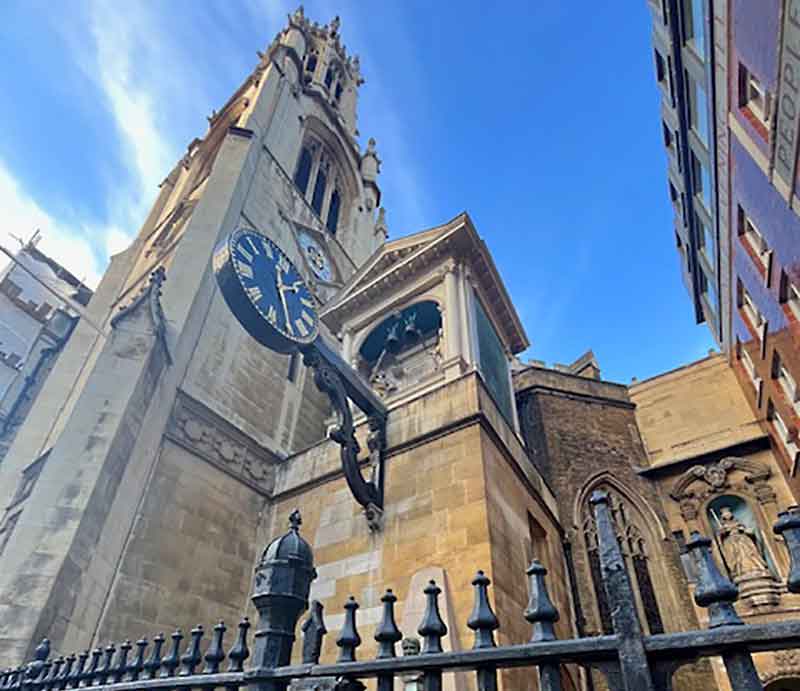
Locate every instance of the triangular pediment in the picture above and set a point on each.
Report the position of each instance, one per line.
(397, 263)
(387, 258)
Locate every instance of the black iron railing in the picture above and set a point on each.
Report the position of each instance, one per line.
(629, 659)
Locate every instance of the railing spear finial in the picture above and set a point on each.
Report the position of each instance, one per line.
(91, 675)
(713, 590)
(171, 662)
(240, 652)
(541, 612)
(104, 671)
(482, 620)
(717, 593)
(387, 634)
(349, 639)
(136, 667)
(192, 657)
(118, 671)
(432, 629)
(215, 653)
(153, 663)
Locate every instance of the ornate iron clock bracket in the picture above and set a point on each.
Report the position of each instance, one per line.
(334, 377)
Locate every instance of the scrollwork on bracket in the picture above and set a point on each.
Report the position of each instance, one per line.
(328, 381)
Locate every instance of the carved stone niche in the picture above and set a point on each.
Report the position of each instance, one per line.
(700, 487)
(785, 666)
(215, 440)
(702, 482)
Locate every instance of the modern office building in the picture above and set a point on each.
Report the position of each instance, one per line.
(730, 77)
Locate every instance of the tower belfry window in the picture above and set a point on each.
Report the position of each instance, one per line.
(319, 191)
(303, 174)
(333, 212)
(311, 66)
(322, 181)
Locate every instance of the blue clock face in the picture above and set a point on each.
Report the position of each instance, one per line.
(267, 290)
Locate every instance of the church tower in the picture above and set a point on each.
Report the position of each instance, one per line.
(161, 432)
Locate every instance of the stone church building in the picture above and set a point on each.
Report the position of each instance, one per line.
(169, 447)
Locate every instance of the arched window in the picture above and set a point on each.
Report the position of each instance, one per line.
(329, 77)
(311, 66)
(323, 181)
(634, 548)
(319, 191)
(333, 212)
(403, 349)
(303, 173)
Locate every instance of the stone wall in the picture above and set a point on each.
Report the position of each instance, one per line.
(589, 438)
(705, 442)
(188, 559)
(447, 465)
(692, 410)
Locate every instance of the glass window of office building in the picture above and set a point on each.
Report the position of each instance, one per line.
(698, 104)
(695, 26)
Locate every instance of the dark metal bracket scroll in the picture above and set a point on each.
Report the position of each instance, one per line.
(334, 377)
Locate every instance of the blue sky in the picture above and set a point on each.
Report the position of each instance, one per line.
(539, 119)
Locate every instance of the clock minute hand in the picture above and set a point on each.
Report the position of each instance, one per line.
(282, 287)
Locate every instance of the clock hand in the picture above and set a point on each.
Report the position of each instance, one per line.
(282, 292)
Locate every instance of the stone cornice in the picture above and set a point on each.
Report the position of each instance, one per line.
(404, 260)
(204, 433)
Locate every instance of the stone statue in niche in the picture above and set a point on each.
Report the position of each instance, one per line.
(743, 553)
(739, 546)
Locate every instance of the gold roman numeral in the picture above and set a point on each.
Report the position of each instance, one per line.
(309, 319)
(245, 269)
(250, 242)
(254, 292)
(307, 302)
(283, 264)
(247, 256)
(301, 327)
(272, 315)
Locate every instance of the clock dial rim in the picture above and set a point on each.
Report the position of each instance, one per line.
(252, 313)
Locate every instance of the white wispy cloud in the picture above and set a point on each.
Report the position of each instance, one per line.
(121, 52)
(146, 80)
(65, 243)
(128, 64)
